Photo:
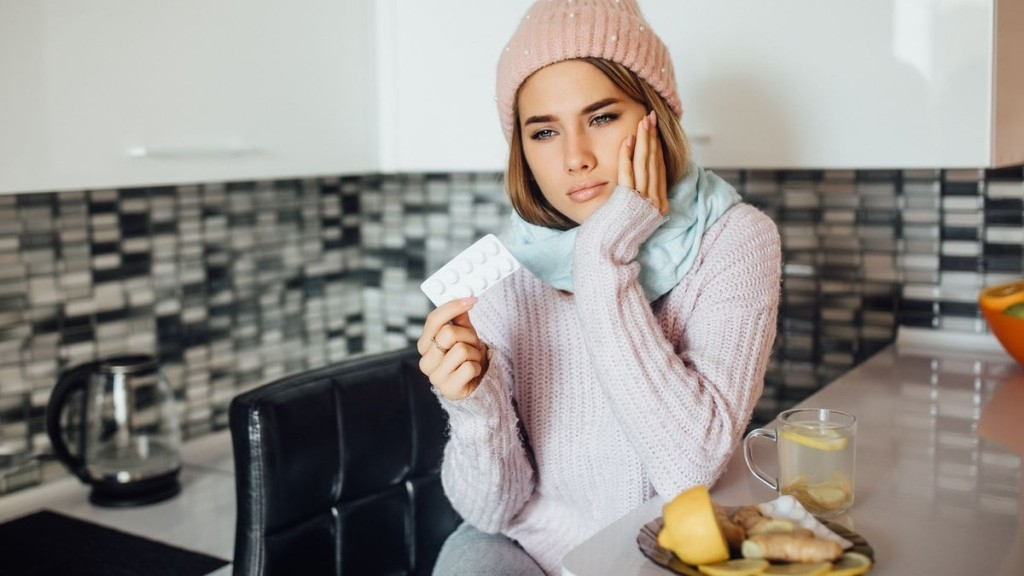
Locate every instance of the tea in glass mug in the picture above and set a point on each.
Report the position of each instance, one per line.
(816, 451)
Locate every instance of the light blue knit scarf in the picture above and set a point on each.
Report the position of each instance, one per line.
(695, 204)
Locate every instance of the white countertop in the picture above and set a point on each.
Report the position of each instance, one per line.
(940, 437)
(938, 486)
(200, 518)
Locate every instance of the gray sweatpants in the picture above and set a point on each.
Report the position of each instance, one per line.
(470, 552)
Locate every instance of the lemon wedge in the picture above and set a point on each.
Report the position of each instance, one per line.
(799, 569)
(815, 437)
(738, 567)
(851, 564)
(691, 530)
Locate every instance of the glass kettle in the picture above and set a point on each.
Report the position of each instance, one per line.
(113, 423)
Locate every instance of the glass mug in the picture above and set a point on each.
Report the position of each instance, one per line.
(816, 458)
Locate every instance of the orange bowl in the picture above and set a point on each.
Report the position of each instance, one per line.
(1007, 325)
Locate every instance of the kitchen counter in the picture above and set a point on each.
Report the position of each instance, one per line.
(200, 518)
(940, 437)
(938, 484)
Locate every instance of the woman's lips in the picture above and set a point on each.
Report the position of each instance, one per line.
(586, 191)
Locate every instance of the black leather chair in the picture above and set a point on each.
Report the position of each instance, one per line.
(337, 471)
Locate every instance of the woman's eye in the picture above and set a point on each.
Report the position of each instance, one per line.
(604, 118)
(542, 134)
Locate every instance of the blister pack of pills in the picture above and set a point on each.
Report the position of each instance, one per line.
(472, 272)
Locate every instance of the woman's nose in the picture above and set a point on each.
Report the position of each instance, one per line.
(579, 155)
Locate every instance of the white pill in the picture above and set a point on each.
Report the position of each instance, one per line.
(459, 291)
(463, 265)
(476, 283)
(470, 273)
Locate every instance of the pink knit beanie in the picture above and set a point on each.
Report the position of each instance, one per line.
(556, 30)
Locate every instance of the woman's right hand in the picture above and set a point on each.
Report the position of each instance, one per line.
(451, 354)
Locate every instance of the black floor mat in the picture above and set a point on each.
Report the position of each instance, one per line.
(49, 544)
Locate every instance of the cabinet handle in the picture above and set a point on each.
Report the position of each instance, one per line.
(190, 151)
(700, 137)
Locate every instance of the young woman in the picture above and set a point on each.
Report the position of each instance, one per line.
(625, 358)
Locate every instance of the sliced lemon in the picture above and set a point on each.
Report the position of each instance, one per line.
(828, 496)
(851, 564)
(799, 569)
(815, 437)
(691, 530)
(738, 567)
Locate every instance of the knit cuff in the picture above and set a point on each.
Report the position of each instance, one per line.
(621, 225)
(484, 408)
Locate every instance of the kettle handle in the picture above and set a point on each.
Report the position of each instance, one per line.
(71, 381)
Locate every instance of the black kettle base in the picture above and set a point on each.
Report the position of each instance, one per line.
(140, 493)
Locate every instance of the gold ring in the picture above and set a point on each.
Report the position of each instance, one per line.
(440, 348)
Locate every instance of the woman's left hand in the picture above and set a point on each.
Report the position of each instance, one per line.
(642, 164)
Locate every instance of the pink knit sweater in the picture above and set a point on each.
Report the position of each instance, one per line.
(594, 402)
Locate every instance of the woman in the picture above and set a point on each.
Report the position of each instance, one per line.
(625, 358)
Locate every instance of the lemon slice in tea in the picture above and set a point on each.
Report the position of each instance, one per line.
(815, 437)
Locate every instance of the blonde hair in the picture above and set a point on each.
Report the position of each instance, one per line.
(526, 197)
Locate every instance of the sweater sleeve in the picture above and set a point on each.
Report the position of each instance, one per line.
(487, 473)
(683, 389)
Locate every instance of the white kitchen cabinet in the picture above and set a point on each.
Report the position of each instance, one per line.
(864, 84)
(794, 84)
(220, 90)
(118, 93)
(436, 65)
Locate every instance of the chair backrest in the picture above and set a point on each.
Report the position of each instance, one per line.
(337, 471)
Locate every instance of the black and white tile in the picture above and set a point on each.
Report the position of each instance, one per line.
(234, 284)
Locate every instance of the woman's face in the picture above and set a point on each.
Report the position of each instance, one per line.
(574, 121)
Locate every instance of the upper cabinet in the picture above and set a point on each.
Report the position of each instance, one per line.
(794, 84)
(129, 93)
(436, 65)
(866, 84)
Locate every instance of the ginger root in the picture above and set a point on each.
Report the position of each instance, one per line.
(790, 548)
(754, 535)
(754, 522)
(747, 516)
(733, 532)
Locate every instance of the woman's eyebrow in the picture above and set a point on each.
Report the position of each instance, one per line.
(600, 104)
(586, 110)
(539, 120)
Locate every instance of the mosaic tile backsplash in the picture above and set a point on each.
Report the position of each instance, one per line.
(235, 284)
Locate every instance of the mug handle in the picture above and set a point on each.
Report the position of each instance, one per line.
(748, 455)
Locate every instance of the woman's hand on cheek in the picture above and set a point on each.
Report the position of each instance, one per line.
(642, 164)
(451, 354)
